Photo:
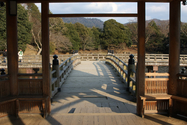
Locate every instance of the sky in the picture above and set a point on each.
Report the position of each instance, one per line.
(153, 10)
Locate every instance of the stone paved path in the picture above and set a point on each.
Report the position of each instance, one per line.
(93, 87)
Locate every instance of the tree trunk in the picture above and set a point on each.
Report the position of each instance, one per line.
(39, 51)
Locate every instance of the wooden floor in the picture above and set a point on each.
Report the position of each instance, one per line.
(93, 95)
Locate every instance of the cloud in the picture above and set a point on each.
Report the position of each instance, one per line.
(83, 7)
(157, 10)
(157, 7)
(38, 5)
(148, 17)
(108, 7)
(183, 13)
(184, 9)
(127, 7)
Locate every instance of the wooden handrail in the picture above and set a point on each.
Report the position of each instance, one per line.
(61, 72)
(156, 74)
(122, 69)
(29, 74)
(4, 76)
(182, 75)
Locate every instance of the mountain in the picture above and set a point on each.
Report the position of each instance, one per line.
(158, 22)
(162, 24)
(88, 22)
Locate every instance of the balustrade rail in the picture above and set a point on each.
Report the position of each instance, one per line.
(182, 85)
(4, 86)
(92, 57)
(30, 98)
(127, 73)
(156, 83)
(61, 72)
(150, 59)
(180, 99)
(156, 59)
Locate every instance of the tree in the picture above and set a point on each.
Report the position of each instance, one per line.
(56, 35)
(97, 32)
(56, 25)
(70, 32)
(3, 44)
(154, 38)
(133, 28)
(60, 41)
(183, 37)
(24, 27)
(115, 34)
(35, 19)
(83, 34)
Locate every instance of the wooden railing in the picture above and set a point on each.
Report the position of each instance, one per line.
(61, 72)
(30, 84)
(180, 99)
(156, 83)
(127, 74)
(156, 98)
(30, 98)
(92, 57)
(153, 58)
(150, 59)
(182, 85)
(4, 86)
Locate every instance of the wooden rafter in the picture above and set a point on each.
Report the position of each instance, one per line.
(93, 15)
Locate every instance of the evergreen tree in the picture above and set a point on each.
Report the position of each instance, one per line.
(96, 33)
(73, 35)
(83, 34)
(24, 27)
(3, 44)
(154, 39)
(115, 34)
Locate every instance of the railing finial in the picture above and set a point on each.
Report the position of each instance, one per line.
(183, 70)
(131, 60)
(55, 60)
(3, 71)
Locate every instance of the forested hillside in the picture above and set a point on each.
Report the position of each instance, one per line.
(66, 37)
(88, 22)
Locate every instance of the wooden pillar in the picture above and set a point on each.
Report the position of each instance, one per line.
(174, 46)
(12, 51)
(45, 52)
(141, 55)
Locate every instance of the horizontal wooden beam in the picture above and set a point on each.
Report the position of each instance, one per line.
(156, 74)
(93, 15)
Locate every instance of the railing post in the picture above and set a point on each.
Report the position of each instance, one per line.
(131, 67)
(69, 70)
(183, 70)
(51, 87)
(3, 71)
(56, 67)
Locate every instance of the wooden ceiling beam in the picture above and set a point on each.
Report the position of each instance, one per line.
(93, 15)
